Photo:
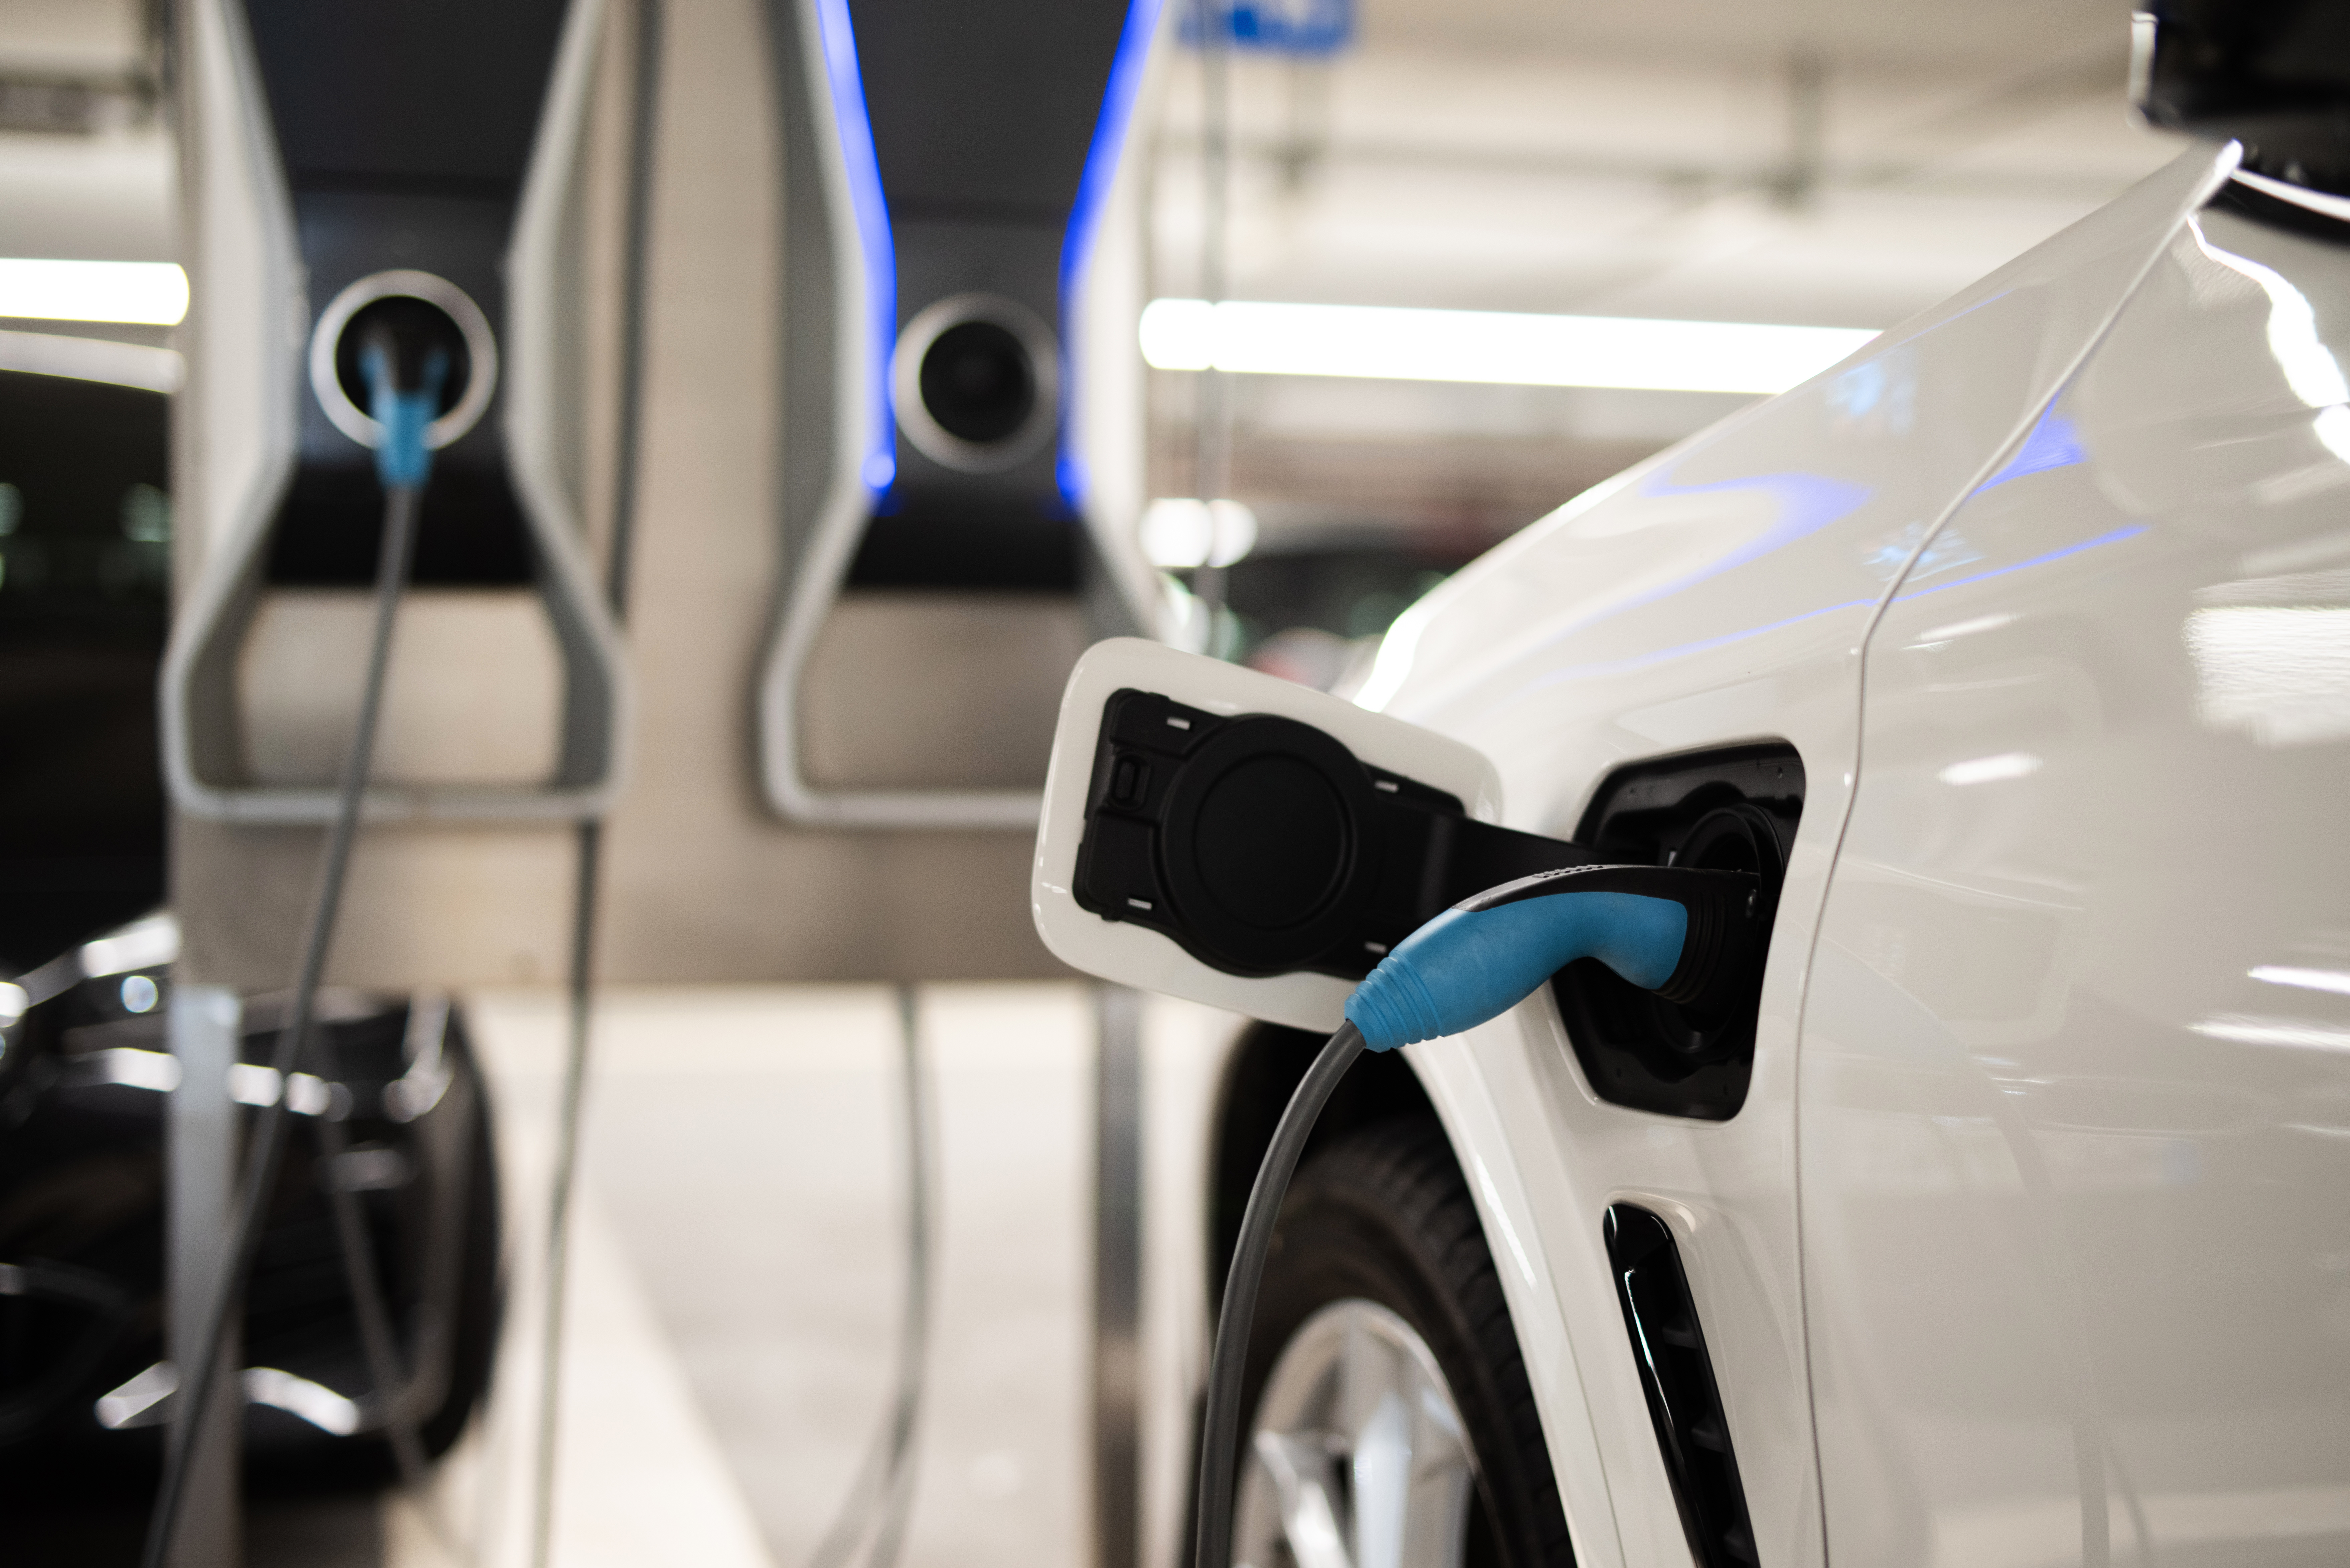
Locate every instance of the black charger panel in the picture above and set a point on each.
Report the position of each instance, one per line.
(982, 117)
(405, 132)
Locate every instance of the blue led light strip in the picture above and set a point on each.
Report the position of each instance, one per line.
(1084, 214)
(838, 41)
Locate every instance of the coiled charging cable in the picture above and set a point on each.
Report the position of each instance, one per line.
(403, 463)
(1689, 936)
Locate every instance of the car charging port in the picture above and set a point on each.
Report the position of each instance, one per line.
(1733, 810)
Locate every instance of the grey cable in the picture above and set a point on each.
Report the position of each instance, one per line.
(378, 1343)
(645, 96)
(558, 1206)
(1212, 458)
(267, 1145)
(376, 1338)
(1221, 1431)
(628, 422)
(881, 1501)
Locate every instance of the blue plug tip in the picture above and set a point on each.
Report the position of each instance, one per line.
(402, 455)
(1468, 965)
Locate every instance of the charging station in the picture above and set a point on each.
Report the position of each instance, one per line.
(960, 454)
(962, 448)
(444, 202)
(384, 219)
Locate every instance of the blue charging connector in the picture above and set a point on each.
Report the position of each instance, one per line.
(1677, 932)
(1467, 966)
(403, 459)
(1689, 936)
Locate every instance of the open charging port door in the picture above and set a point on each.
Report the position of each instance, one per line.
(960, 453)
(1226, 836)
(1223, 836)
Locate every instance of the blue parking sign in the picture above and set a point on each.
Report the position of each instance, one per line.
(1273, 27)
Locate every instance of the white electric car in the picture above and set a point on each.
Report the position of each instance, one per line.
(2012, 1227)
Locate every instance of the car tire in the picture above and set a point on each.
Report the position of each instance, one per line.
(481, 1297)
(1379, 1241)
(319, 1464)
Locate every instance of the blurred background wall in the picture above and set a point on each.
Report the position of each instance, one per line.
(1829, 163)
(701, 881)
(1823, 162)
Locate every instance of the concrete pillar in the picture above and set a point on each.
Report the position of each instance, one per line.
(202, 1150)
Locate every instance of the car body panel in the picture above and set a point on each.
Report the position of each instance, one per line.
(2076, 1101)
(1598, 636)
(85, 1077)
(1489, 1093)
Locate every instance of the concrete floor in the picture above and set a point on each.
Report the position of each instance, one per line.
(738, 1277)
(736, 1285)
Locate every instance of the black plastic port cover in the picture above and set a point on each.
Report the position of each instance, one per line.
(1262, 845)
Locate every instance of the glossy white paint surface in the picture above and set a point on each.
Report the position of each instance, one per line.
(2076, 1060)
(1719, 594)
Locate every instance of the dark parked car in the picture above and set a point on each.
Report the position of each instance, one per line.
(83, 1374)
(85, 1067)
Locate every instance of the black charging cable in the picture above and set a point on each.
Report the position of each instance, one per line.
(1219, 1432)
(403, 463)
(1687, 935)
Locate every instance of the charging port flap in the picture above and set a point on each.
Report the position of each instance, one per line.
(1219, 835)
(1216, 834)
(1261, 844)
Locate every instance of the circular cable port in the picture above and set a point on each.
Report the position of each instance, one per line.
(1738, 838)
(976, 381)
(422, 311)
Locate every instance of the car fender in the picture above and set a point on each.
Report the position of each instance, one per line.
(1719, 594)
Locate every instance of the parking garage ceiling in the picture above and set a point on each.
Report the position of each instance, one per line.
(1836, 164)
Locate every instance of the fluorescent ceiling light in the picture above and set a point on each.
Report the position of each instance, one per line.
(151, 294)
(1187, 532)
(1394, 344)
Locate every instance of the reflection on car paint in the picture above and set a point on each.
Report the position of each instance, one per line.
(2111, 1339)
(2112, 536)
(2279, 673)
(2308, 366)
(2051, 444)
